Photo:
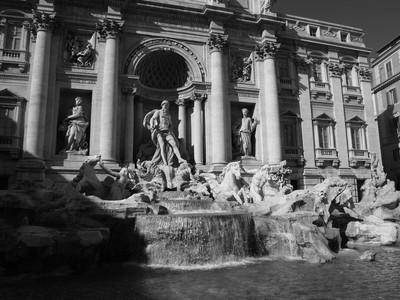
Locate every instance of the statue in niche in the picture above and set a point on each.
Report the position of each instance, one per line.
(241, 69)
(76, 132)
(267, 5)
(78, 53)
(243, 130)
(159, 122)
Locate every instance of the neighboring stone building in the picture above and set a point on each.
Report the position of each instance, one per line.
(386, 88)
(305, 81)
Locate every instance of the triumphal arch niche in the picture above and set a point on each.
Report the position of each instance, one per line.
(165, 69)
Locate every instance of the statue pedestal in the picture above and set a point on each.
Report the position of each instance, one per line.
(250, 162)
(31, 169)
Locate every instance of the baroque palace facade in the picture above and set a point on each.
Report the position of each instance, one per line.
(306, 84)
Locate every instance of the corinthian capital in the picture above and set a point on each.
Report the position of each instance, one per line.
(109, 29)
(364, 73)
(267, 50)
(199, 96)
(41, 21)
(335, 69)
(217, 42)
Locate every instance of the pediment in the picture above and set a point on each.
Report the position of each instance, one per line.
(9, 98)
(355, 119)
(324, 117)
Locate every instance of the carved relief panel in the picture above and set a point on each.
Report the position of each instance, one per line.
(241, 67)
(79, 49)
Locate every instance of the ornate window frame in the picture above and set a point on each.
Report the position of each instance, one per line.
(325, 156)
(18, 57)
(358, 155)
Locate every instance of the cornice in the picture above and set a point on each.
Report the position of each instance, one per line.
(168, 11)
(386, 83)
(15, 77)
(101, 4)
(22, 5)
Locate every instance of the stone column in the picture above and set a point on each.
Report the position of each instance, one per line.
(267, 51)
(42, 27)
(335, 74)
(182, 121)
(219, 141)
(109, 30)
(129, 124)
(198, 129)
(316, 135)
(349, 141)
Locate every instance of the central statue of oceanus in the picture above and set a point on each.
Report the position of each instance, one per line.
(159, 122)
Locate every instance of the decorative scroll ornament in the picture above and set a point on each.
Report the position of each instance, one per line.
(217, 42)
(303, 62)
(329, 32)
(109, 29)
(267, 50)
(296, 26)
(41, 21)
(335, 69)
(226, 2)
(364, 73)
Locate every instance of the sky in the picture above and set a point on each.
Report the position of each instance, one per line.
(380, 20)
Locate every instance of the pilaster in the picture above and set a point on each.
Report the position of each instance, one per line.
(303, 68)
(335, 76)
(372, 136)
(129, 94)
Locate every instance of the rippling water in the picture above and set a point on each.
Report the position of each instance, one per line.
(344, 278)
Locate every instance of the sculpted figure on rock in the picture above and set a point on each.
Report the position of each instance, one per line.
(159, 122)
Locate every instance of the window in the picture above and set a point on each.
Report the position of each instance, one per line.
(356, 138)
(343, 36)
(356, 135)
(313, 31)
(284, 71)
(317, 71)
(289, 135)
(348, 73)
(389, 71)
(290, 124)
(324, 132)
(13, 37)
(391, 96)
(7, 124)
(323, 135)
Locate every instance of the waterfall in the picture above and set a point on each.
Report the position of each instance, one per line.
(187, 239)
